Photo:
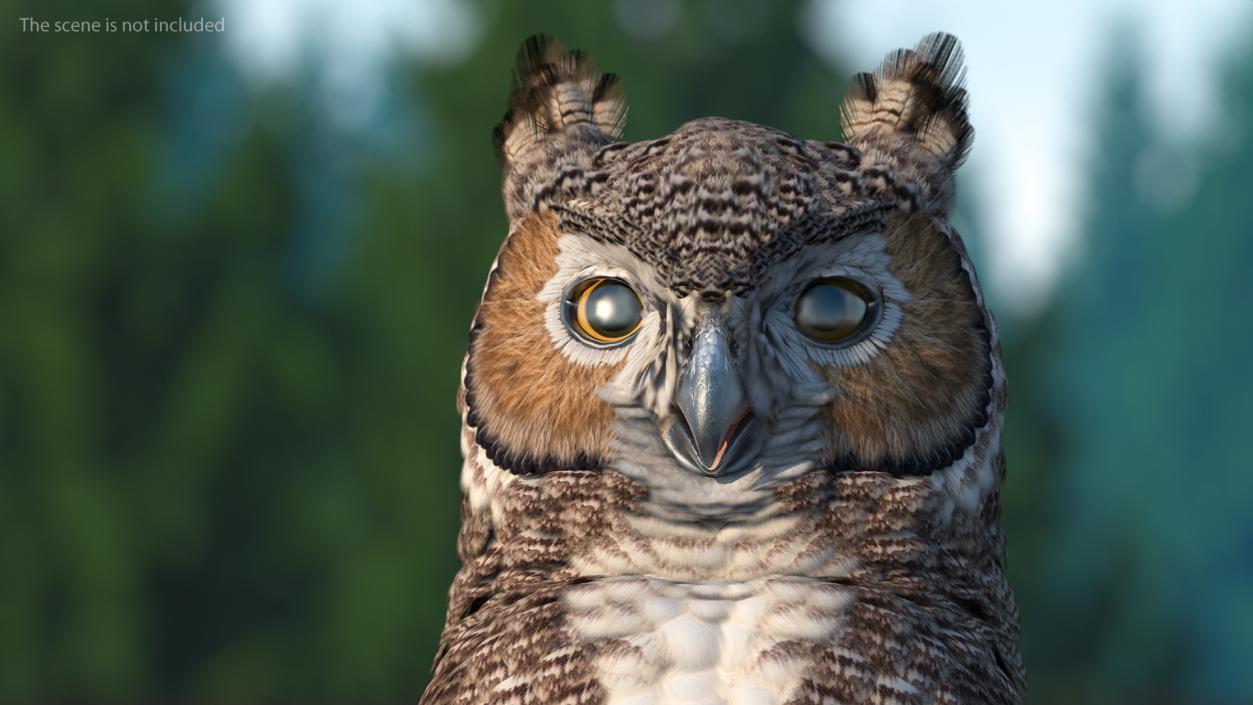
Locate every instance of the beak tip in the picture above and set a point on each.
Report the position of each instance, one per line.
(711, 455)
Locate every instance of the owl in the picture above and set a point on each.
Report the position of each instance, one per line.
(731, 409)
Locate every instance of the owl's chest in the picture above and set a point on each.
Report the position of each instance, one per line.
(715, 643)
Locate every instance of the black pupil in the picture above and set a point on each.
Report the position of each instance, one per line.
(831, 311)
(612, 309)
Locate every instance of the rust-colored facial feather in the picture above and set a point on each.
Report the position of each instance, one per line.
(532, 407)
(916, 404)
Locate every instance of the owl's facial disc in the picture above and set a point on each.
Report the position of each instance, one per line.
(712, 429)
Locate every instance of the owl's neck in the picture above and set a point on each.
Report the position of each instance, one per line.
(862, 527)
(743, 584)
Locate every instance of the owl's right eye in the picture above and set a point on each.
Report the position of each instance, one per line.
(603, 311)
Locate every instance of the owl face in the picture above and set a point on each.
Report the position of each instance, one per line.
(730, 303)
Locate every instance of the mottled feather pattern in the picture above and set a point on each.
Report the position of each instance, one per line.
(908, 572)
(860, 558)
(721, 201)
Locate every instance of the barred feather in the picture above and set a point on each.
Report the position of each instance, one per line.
(561, 110)
(555, 90)
(916, 97)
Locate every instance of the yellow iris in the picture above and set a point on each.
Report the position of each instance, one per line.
(606, 311)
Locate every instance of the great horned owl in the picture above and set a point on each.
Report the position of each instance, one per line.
(732, 409)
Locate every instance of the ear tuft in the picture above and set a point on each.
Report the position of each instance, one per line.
(561, 110)
(913, 109)
(916, 95)
(555, 90)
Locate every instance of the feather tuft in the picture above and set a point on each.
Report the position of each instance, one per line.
(916, 97)
(556, 91)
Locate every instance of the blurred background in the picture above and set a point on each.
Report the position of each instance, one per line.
(237, 271)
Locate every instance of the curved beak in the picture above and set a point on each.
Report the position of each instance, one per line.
(713, 430)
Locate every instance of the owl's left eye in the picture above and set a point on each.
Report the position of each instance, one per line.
(603, 311)
(836, 310)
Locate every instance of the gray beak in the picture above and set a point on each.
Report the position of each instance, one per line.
(713, 430)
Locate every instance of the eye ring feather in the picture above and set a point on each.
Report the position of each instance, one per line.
(603, 312)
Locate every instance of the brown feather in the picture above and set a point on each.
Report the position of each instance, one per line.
(532, 407)
(924, 393)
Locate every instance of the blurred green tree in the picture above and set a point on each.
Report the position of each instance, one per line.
(229, 469)
(1139, 578)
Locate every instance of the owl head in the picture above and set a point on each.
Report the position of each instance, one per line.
(730, 303)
